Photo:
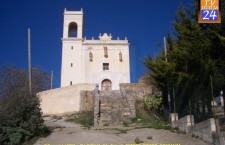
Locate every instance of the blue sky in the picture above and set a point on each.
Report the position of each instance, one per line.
(143, 22)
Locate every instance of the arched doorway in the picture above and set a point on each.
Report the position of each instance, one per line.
(106, 84)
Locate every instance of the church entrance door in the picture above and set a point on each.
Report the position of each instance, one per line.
(106, 84)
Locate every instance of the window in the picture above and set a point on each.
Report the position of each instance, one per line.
(71, 64)
(120, 57)
(71, 47)
(71, 83)
(105, 52)
(105, 66)
(90, 56)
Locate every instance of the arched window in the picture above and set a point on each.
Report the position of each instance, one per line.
(120, 57)
(90, 56)
(72, 32)
(105, 52)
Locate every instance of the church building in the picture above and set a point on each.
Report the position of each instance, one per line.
(103, 61)
(91, 69)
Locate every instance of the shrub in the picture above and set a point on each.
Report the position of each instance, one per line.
(23, 122)
(153, 102)
(20, 112)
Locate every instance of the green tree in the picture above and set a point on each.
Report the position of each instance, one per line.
(20, 114)
(195, 54)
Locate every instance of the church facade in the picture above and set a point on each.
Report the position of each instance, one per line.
(86, 63)
(103, 61)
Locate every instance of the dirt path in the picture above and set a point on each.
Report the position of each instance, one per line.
(70, 134)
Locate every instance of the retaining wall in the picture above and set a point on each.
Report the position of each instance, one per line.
(205, 129)
(185, 123)
(63, 100)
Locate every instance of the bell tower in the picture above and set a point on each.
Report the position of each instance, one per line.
(72, 48)
(73, 24)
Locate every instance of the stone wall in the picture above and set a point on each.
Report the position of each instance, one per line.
(64, 100)
(87, 101)
(185, 123)
(96, 107)
(137, 91)
(205, 129)
(134, 92)
(219, 138)
(130, 103)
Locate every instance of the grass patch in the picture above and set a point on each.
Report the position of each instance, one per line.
(57, 117)
(60, 128)
(120, 131)
(138, 141)
(125, 124)
(106, 124)
(86, 119)
(146, 119)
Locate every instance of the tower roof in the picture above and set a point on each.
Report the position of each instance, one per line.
(73, 12)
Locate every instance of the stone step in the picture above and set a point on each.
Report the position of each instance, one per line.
(114, 99)
(219, 113)
(105, 115)
(218, 108)
(220, 124)
(111, 95)
(118, 102)
(105, 118)
(126, 113)
(126, 109)
(113, 108)
(105, 108)
(112, 105)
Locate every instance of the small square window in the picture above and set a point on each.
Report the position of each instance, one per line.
(105, 66)
(71, 64)
(71, 83)
(71, 47)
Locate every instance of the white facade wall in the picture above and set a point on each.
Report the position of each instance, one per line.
(119, 72)
(76, 65)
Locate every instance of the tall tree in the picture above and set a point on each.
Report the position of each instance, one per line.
(195, 55)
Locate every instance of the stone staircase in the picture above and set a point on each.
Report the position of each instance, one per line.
(218, 111)
(113, 108)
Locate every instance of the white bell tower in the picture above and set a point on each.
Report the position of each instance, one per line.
(73, 24)
(72, 48)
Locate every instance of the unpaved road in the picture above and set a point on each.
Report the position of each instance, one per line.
(70, 134)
